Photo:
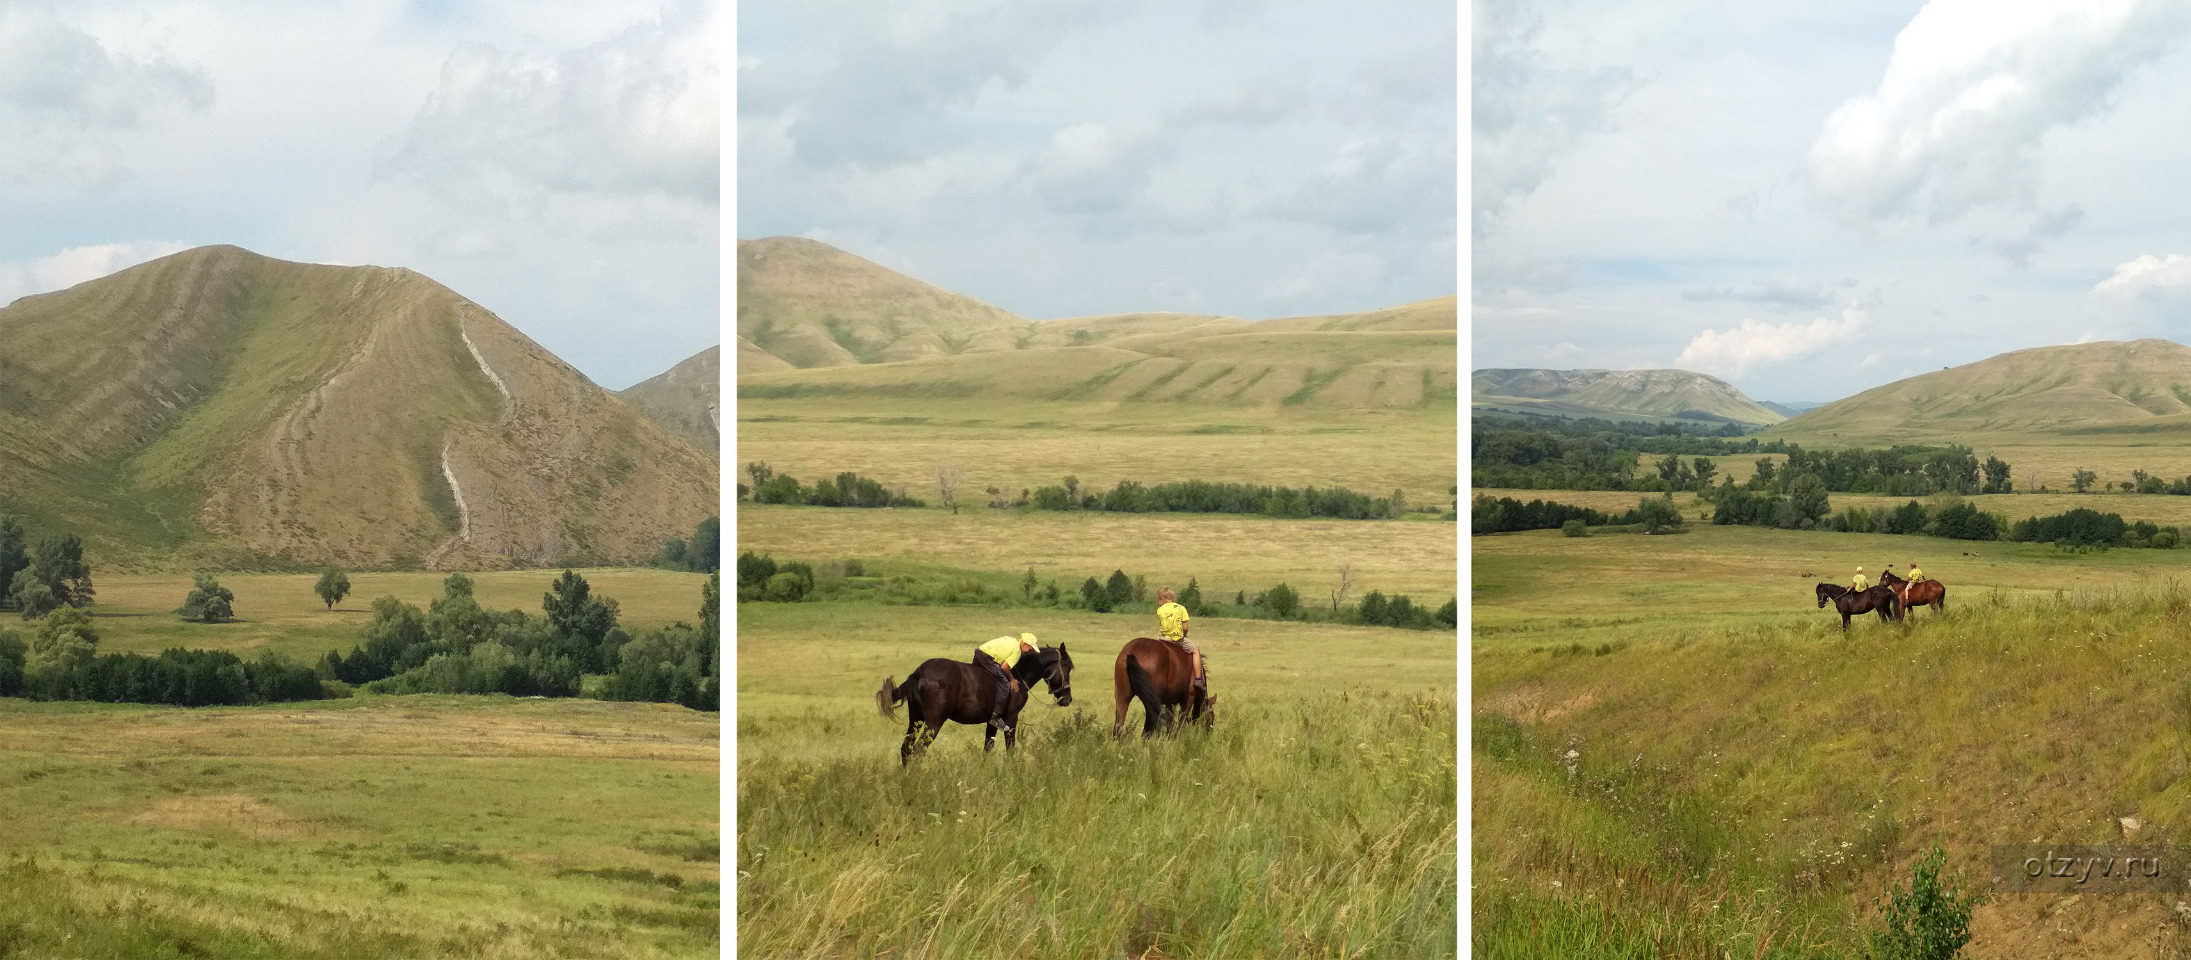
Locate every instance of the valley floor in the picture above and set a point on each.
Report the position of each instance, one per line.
(369, 827)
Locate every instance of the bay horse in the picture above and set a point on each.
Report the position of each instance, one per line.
(1923, 593)
(1157, 672)
(1850, 602)
(943, 690)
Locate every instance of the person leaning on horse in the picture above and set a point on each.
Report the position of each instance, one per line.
(999, 656)
(1171, 624)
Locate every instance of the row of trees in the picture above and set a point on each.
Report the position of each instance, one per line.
(62, 662)
(1202, 496)
(701, 554)
(1129, 496)
(763, 578)
(847, 489)
(457, 646)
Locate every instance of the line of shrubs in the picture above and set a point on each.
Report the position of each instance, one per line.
(456, 646)
(1202, 496)
(848, 489)
(762, 578)
(61, 662)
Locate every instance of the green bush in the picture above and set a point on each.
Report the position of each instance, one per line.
(1923, 921)
(1575, 528)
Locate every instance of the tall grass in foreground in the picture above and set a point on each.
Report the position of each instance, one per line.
(1751, 790)
(1322, 826)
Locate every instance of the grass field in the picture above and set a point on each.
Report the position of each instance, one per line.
(372, 827)
(1317, 819)
(1226, 553)
(1027, 444)
(135, 613)
(1675, 753)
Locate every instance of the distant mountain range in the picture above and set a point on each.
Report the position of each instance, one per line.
(1616, 395)
(816, 321)
(220, 408)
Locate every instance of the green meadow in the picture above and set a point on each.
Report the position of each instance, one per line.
(135, 612)
(369, 827)
(1316, 819)
(1674, 752)
(373, 826)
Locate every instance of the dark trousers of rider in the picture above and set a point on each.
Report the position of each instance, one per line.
(1004, 684)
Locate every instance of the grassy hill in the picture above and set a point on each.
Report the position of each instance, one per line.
(1615, 395)
(221, 408)
(2138, 387)
(686, 398)
(1318, 362)
(808, 304)
(1707, 762)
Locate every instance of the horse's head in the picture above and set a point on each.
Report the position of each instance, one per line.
(1057, 671)
(1825, 592)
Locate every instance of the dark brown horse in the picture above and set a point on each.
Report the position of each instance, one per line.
(1923, 593)
(1850, 602)
(1156, 672)
(941, 691)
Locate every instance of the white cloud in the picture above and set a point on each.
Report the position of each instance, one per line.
(632, 115)
(1526, 110)
(66, 95)
(2147, 275)
(75, 265)
(1735, 352)
(1973, 86)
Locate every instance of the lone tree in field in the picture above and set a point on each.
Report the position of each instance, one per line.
(1098, 598)
(1028, 584)
(949, 480)
(333, 586)
(704, 552)
(1346, 586)
(14, 557)
(63, 643)
(1119, 587)
(209, 602)
(1282, 601)
(2082, 480)
(56, 577)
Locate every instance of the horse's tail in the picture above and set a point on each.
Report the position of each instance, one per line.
(887, 698)
(1144, 688)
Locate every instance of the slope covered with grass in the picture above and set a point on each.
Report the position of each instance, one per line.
(221, 408)
(1751, 787)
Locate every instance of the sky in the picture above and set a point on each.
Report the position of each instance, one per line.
(1068, 159)
(1809, 200)
(555, 162)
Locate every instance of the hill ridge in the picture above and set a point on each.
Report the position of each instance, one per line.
(2098, 386)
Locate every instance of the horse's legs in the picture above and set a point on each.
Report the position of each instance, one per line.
(1844, 621)
(988, 738)
(1119, 700)
(905, 750)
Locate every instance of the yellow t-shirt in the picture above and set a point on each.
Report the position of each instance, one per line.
(1171, 621)
(1860, 584)
(1004, 650)
(1916, 575)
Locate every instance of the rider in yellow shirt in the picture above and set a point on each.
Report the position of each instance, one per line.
(1000, 655)
(1916, 575)
(1860, 583)
(1171, 624)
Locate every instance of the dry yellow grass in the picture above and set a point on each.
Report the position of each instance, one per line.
(1029, 445)
(1226, 553)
